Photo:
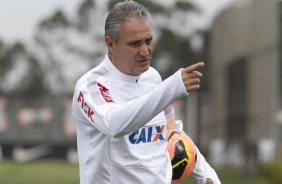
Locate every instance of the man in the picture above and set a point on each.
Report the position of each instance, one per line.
(120, 107)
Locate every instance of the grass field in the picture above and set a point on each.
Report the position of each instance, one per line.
(38, 172)
(232, 176)
(60, 172)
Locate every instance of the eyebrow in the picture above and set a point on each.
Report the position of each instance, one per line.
(138, 40)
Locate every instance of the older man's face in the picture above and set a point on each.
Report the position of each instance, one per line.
(132, 53)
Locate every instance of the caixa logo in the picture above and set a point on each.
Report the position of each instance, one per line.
(147, 134)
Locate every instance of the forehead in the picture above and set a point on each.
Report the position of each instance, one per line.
(135, 29)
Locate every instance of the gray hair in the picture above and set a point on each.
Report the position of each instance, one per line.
(122, 12)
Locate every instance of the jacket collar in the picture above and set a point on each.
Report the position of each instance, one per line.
(118, 74)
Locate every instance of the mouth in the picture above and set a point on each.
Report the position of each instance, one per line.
(144, 60)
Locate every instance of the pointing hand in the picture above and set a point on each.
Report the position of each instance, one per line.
(191, 77)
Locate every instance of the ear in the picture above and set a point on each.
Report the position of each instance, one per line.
(110, 44)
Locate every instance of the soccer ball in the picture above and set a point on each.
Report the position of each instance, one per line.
(182, 152)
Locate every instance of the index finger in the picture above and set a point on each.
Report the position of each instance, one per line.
(194, 67)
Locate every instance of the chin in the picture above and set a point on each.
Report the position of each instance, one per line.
(144, 70)
(143, 67)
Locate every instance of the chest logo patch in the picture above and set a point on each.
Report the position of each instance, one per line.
(147, 134)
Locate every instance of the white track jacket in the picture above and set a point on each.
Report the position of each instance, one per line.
(120, 125)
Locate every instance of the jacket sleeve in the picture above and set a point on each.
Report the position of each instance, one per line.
(169, 113)
(117, 120)
(203, 170)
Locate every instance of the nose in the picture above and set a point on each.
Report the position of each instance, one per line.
(144, 50)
